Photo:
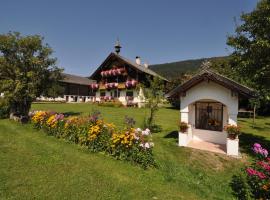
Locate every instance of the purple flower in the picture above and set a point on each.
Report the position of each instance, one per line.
(264, 152)
(258, 149)
(59, 117)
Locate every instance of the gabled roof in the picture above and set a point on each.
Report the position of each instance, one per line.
(70, 78)
(131, 63)
(207, 75)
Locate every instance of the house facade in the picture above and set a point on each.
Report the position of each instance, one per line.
(120, 79)
(208, 103)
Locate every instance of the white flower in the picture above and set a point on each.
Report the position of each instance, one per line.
(138, 130)
(136, 137)
(151, 144)
(141, 145)
(146, 132)
(147, 145)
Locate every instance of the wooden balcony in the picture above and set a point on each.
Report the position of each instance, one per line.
(120, 86)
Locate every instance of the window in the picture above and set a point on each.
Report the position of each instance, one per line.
(209, 116)
(102, 94)
(129, 93)
(116, 93)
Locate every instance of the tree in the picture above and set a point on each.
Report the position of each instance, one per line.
(27, 71)
(251, 56)
(154, 95)
(175, 102)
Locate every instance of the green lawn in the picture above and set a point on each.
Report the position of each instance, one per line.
(36, 166)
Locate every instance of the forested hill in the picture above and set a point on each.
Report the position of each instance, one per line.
(175, 69)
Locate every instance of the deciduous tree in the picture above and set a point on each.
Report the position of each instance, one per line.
(251, 56)
(27, 70)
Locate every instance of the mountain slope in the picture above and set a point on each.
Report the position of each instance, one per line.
(175, 69)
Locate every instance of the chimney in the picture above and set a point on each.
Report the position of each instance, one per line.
(138, 60)
(146, 65)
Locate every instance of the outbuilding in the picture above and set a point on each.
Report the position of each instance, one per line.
(208, 103)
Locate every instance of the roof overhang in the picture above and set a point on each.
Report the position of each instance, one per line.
(207, 75)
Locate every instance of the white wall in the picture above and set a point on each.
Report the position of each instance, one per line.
(210, 91)
(209, 136)
(138, 96)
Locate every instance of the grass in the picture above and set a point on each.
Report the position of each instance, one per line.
(37, 166)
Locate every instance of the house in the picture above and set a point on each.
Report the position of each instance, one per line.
(120, 79)
(116, 79)
(76, 89)
(208, 103)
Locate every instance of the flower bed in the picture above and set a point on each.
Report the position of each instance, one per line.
(134, 145)
(254, 183)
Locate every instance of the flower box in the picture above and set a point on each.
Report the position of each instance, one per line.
(131, 83)
(112, 72)
(94, 86)
(111, 85)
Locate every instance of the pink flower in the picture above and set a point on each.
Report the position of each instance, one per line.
(264, 165)
(257, 145)
(253, 172)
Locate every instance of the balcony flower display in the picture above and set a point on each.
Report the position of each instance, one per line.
(131, 83)
(112, 72)
(94, 86)
(111, 85)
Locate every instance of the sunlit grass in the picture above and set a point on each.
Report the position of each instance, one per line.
(36, 166)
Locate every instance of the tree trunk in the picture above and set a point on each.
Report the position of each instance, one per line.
(254, 115)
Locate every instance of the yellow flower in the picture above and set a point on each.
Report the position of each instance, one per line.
(93, 132)
(126, 139)
(39, 117)
(266, 187)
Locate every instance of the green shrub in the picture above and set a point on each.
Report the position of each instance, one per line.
(4, 108)
(116, 104)
(240, 187)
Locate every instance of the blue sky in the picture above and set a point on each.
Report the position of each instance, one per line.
(82, 33)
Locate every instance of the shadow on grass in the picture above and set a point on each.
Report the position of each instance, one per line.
(49, 102)
(172, 134)
(247, 140)
(72, 113)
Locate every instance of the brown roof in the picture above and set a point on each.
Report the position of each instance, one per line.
(70, 78)
(207, 74)
(133, 64)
